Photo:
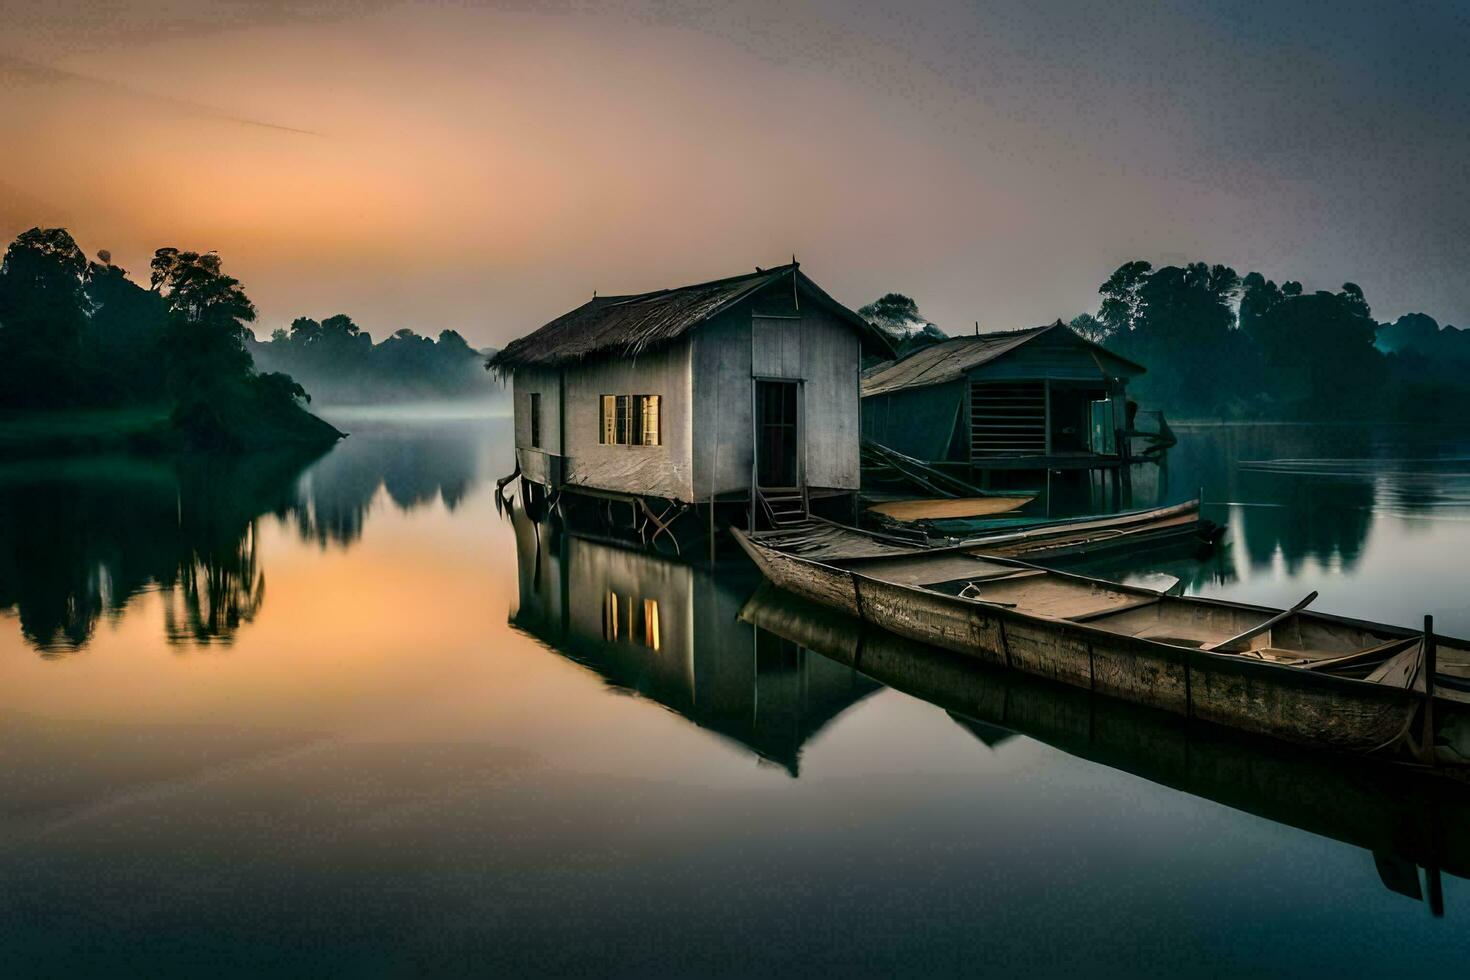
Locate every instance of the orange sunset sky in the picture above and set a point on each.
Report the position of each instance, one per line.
(484, 167)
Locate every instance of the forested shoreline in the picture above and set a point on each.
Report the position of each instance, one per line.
(79, 336)
(1219, 345)
(91, 358)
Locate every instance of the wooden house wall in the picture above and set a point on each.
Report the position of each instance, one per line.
(918, 422)
(661, 471)
(535, 462)
(813, 347)
(1060, 357)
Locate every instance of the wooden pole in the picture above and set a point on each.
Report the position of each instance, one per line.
(1429, 665)
(714, 471)
(1125, 448)
(1430, 656)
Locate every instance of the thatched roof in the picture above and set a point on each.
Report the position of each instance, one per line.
(952, 359)
(625, 326)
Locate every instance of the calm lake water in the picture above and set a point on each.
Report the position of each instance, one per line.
(341, 717)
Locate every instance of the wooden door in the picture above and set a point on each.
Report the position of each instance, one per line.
(777, 434)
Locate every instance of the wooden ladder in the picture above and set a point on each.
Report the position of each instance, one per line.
(783, 507)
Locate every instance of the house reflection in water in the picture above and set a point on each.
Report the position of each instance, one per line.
(671, 632)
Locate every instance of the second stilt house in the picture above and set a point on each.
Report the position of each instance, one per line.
(1042, 398)
(726, 399)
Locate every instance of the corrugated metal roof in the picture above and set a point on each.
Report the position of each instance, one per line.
(947, 360)
(952, 359)
(627, 325)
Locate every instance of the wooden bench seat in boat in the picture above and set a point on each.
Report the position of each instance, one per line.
(1184, 624)
(1053, 597)
(933, 571)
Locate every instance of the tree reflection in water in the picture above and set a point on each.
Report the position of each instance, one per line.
(80, 538)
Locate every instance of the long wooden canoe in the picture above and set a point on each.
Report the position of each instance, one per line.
(1402, 819)
(1133, 530)
(1308, 678)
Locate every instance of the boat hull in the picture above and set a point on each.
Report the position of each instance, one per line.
(1282, 702)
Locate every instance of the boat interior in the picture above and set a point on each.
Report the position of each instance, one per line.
(1292, 637)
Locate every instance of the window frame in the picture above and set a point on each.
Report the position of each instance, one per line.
(533, 418)
(606, 424)
(630, 420)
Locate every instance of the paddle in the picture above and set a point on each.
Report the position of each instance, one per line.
(1263, 627)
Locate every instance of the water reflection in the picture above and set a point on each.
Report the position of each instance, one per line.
(769, 671)
(437, 789)
(1376, 515)
(671, 632)
(413, 464)
(80, 538)
(1404, 820)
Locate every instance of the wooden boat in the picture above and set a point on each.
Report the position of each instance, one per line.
(1404, 820)
(1385, 809)
(1133, 530)
(1304, 677)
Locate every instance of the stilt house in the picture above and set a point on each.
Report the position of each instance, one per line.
(1041, 398)
(741, 392)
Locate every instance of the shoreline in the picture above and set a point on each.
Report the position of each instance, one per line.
(143, 430)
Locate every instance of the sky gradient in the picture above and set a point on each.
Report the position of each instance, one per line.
(486, 167)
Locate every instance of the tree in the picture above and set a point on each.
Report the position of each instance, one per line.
(1089, 327)
(43, 312)
(1320, 348)
(1180, 322)
(122, 354)
(452, 344)
(305, 331)
(207, 314)
(1121, 303)
(1258, 295)
(220, 402)
(898, 317)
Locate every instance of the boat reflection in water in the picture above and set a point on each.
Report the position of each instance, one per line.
(670, 632)
(1406, 819)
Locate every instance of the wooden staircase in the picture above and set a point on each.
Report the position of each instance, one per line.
(783, 507)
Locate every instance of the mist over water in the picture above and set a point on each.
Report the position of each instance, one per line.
(337, 715)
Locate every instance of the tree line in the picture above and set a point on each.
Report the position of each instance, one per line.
(1221, 345)
(338, 362)
(80, 334)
